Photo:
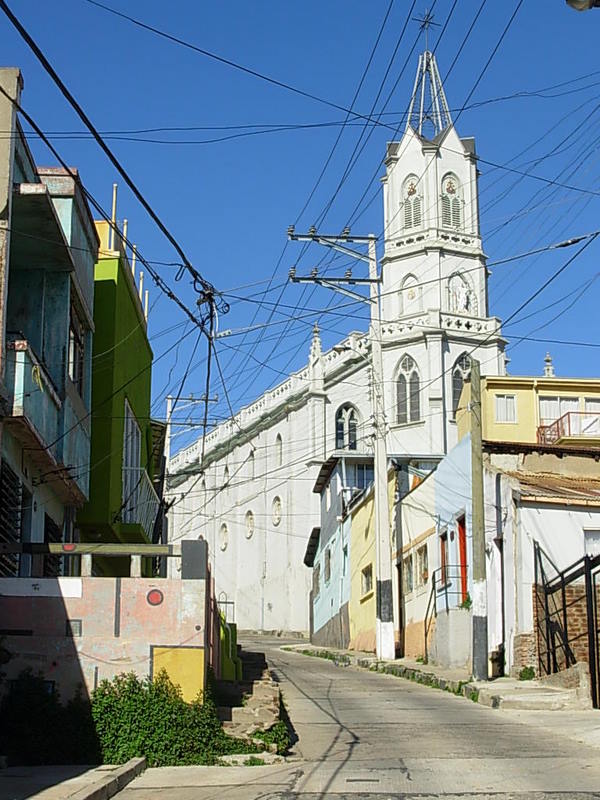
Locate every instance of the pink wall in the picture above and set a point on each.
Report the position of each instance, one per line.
(119, 625)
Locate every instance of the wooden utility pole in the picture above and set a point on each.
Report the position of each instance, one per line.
(480, 633)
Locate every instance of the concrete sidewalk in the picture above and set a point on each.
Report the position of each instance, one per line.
(68, 782)
(503, 693)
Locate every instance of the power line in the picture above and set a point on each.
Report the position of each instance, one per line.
(197, 279)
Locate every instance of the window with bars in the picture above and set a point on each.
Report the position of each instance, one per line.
(366, 579)
(408, 392)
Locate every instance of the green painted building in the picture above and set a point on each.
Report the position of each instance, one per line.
(126, 464)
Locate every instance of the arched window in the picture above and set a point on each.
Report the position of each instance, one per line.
(279, 450)
(223, 537)
(460, 372)
(408, 392)
(225, 476)
(346, 428)
(412, 203)
(410, 295)
(251, 464)
(451, 203)
(249, 524)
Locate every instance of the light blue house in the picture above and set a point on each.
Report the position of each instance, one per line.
(47, 265)
(341, 479)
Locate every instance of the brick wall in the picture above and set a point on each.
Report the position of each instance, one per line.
(526, 644)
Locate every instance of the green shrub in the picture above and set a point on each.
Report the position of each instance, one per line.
(140, 717)
(527, 674)
(278, 734)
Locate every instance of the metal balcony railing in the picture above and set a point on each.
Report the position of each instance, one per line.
(584, 424)
(140, 501)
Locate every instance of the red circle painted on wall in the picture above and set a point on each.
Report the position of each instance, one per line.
(155, 597)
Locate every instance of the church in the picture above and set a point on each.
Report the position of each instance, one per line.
(252, 497)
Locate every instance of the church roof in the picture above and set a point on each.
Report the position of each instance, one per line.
(428, 113)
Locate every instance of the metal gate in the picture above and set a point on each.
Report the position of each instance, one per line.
(566, 616)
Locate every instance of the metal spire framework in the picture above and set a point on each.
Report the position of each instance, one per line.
(428, 104)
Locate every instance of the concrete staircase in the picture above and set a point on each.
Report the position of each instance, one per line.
(251, 704)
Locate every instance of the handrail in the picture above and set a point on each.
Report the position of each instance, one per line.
(432, 597)
(444, 580)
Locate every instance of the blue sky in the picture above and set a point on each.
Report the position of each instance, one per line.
(229, 203)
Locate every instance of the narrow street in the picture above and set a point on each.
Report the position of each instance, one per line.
(363, 735)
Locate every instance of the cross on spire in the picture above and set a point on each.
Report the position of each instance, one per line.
(426, 22)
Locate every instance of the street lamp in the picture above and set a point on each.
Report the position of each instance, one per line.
(583, 5)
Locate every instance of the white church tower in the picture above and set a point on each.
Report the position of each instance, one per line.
(247, 488)
(434, 292)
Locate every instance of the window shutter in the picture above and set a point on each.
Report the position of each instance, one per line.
(417, 212)
(456, 222)
(408, 217)
(446, 212)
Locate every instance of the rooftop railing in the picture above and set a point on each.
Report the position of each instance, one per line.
(584, 424)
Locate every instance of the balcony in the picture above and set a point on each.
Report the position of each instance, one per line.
(35, 411)
(574, 427)
(140, 501)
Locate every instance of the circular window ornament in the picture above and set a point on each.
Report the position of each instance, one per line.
(154, 597)
(249, 524)
(223, 537)
(276, 511)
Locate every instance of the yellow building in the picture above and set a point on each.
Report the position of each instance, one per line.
(362, 606)
(536, 410)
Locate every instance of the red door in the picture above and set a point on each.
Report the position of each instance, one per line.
(462, 553)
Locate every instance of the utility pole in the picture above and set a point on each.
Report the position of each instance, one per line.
(480, 633)
(189, 401)
(385, 646)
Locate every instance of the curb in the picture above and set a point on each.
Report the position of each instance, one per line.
(459, 688)
(113, 783)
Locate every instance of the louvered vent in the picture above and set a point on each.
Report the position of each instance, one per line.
(10, 518)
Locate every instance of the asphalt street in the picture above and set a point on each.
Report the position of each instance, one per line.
(367, 736)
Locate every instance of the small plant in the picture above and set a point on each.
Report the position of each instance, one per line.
(527, 674)
(474, 695)
(467, 602)
(420, 660)
(253, 761)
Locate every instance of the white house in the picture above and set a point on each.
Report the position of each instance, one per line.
(252, 498)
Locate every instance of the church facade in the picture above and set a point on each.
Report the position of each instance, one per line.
(252, 499)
